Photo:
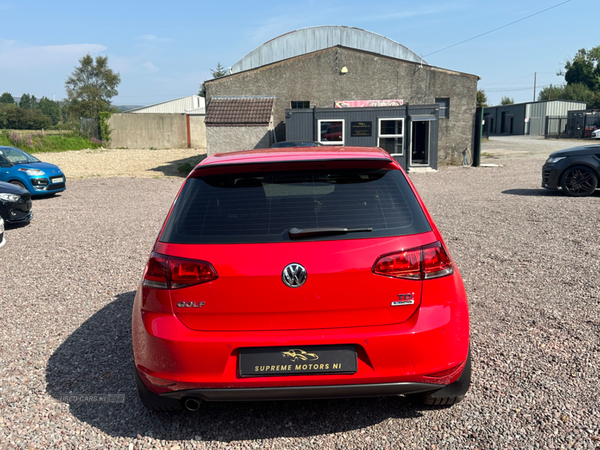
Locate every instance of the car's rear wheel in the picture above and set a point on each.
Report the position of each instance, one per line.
(154, 401)
(579, 181)
(18, 183)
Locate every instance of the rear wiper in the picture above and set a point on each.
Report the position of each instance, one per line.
(296, 232)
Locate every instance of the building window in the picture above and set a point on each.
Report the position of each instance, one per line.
(300, 105)
(331, 132)
(391, 133)
(444, 103)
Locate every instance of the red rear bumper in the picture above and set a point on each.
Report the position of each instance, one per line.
(431, 347)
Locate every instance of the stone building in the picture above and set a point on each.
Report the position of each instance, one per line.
(328, 67)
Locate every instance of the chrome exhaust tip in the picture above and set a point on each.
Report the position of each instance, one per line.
(191, 404)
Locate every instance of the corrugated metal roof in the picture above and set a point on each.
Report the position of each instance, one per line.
(308, 40)
(182, 105)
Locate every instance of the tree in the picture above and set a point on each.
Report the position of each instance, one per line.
(34, 119)
(219, 72)
(14, 117)
(481, 98)
(51, 109)
(552, 93)
(576, 92)
(9, 115)
(91, 87)
(507, 101)
(584, 69)
(7, 98)
(28, 101)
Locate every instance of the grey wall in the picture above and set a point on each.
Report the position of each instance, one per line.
(197, 131)
(316, 77)
(232, 139)
(156, 131)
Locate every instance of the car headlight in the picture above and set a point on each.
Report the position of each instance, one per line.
(555, 159)
(13, 198)
(32, 172)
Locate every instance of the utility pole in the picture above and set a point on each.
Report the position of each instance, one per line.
(534, 80)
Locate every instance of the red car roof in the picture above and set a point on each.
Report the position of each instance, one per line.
(287, 154)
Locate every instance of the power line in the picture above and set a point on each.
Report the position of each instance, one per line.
(496, 29)
(510, 80)
(518, 89)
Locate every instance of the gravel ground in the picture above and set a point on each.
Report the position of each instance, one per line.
(529, 257)
(122, 162)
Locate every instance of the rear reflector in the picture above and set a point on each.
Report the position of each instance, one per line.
(166, 272)
(445, 373)
(423, 263)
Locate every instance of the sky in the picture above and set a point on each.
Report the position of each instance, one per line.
(165, 50)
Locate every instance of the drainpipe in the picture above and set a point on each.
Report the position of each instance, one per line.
(316, 132)
(189, 135)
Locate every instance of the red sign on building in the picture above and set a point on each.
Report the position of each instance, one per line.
(367, 103)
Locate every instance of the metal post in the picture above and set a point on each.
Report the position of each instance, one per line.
(478, 134)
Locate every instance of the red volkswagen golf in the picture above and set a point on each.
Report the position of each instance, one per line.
(297, 273)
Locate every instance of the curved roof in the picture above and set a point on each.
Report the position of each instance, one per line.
(308, 40)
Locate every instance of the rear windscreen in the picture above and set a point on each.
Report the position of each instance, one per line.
(263, 207)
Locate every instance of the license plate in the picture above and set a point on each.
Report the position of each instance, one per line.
(58, 180)
(297, 360)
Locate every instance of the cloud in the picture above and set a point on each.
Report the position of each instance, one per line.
(40, 70)
(17, 56)
(334, 14)
(435, 11)
(150, 67)
(134, 65)
(153, 38)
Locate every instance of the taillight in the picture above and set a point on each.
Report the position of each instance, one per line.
(436, 262)
(166, 272)
(406, 264)
(423, 263)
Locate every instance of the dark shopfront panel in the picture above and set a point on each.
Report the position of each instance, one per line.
(409, 133)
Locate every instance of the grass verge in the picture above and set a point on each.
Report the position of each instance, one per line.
(40, 142)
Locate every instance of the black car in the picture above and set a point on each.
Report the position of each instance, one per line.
(575, 170)
(15, 203)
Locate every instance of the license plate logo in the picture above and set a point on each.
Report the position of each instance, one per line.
(58, 180)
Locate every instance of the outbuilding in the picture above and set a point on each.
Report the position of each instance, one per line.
(541, 118)
(333, 76)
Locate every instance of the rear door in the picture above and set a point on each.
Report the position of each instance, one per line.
(339, 290)
(243, 224)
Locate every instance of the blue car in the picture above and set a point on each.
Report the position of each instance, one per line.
(22, 169)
